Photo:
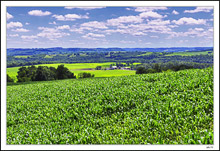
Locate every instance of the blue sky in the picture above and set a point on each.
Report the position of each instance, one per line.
(126, 27)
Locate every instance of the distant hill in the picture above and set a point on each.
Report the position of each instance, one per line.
(60, 50)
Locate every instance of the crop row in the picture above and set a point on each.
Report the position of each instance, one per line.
(160, 108)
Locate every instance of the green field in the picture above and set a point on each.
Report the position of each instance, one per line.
(190, 53)
(82, 67)
(22, 56)
(160, 108)
(49, 56)
(146, 54)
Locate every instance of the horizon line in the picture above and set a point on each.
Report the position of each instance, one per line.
(110, 47)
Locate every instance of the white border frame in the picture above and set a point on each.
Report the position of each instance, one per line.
(215, 4)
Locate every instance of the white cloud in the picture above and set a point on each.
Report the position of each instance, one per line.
(189, 21)
(199, 9)
(192, 32)
(159, 22)
(20, 30)
(79, 30)
(52, 33)
(9, 16)
(95, 35)
(47, 29)
(127, 42)
(14, 24)
(150, 14)
(29, 38)
(39, 13)
(138, 33)
(27, 23)
(131, 31)
(154, 36)
(69, 17)
(146, 9)
(210, 29)
(182, 41)
(63, 27)
(73, 40)
(13, 35)
(173, 26)
(95, 24)
(124, 19)
(199, 29)
(53, 23)
(84, 8)
(122, 31)
(175, 12)
(154, 26)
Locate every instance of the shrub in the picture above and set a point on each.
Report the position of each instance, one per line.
(141, 70)
(85, 75)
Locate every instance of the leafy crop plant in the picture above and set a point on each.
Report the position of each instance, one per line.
(159, 108)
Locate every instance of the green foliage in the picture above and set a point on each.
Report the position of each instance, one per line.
(116, 56)
(64, 73)
(190, 53)
(85, 75)
(98, 68)
(9, 79)
(23, 75)
(82, 67)
(154, 68)
(43, 73)
(140, 70)
(160, 108)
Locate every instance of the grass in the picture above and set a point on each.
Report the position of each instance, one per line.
(83, 54)
(146, 54)
(49, 56)
(23, 56)
(190, 53)
(73, 55)
(81, 67)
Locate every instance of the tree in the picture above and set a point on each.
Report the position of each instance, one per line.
(151, 71)
(157, 67)
(140, 70)
(31, 72)
(9, 79)
(85, 75)
(42, 74)
(64, 73)
(53, 73)
(98, 68)
(22, 75)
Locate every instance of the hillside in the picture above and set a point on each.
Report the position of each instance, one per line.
(160, 108)
(60, 50)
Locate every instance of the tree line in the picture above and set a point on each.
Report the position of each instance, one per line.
(44, 73)
(173, 66)
(95, 57)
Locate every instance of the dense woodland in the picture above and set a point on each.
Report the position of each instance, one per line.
(114, 56)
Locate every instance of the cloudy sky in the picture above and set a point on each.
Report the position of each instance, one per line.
(90, 27)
